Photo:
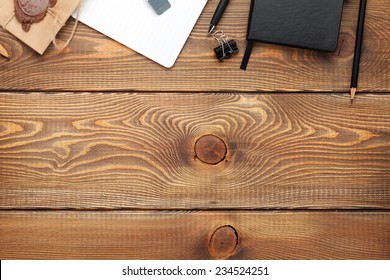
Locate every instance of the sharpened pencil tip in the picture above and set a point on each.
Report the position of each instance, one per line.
(352, 92)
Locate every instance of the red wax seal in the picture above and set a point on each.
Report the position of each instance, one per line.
(28, 12)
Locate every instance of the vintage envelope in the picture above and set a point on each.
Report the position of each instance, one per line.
(42, 33)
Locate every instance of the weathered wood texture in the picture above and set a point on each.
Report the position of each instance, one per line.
(133, 148)
(94, 62)
(185, 235)
(137, 151)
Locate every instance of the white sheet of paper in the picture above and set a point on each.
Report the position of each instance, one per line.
(136, 25)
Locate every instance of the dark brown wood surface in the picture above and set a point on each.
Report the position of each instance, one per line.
(187, 235)
(100, 158)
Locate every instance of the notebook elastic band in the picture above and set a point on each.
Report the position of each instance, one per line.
(247, 54)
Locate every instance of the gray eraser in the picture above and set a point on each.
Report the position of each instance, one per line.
(160, 6)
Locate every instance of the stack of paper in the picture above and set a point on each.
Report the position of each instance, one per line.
(136, 25)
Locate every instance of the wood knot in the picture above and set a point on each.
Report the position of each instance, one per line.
(224, 242)
(210, 149)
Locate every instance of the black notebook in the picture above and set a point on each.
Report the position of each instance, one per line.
(309, 24)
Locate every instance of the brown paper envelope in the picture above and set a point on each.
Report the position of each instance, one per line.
(42, 33)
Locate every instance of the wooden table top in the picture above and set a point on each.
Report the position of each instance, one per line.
(105, 154)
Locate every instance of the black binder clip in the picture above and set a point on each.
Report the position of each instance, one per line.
(226, 48)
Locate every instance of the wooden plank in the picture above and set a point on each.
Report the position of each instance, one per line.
(94, 62)
(187, 235)
(136, 151)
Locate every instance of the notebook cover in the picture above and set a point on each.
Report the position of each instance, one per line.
(311, 24)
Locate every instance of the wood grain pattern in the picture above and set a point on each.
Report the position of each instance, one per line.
(102, 128)
(137, 151)
(95, 63)
(224, 242)
(186, 235)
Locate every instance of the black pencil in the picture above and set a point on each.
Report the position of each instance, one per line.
(358, 48)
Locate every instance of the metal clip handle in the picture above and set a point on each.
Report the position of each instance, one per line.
(226, 48)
